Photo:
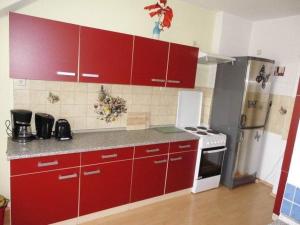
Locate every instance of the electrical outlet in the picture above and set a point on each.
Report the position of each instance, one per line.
(20, 83)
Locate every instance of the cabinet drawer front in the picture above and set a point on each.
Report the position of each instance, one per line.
(183, 146)
(107, 155)
(151, 150)
(39, 164)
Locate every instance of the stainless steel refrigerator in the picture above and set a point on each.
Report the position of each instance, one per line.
(240, 110)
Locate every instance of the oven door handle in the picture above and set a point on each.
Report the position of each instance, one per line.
(215, 151)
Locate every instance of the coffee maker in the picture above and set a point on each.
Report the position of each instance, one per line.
(43, 124)
(21, 127)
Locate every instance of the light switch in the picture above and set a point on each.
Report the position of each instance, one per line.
(20, 83)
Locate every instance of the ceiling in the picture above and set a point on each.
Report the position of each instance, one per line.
(253, 9)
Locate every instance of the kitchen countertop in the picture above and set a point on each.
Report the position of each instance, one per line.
(84, 142)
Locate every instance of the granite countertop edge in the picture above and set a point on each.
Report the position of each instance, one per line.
(14, 154)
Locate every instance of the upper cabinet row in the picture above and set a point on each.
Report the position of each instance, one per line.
(42, 49)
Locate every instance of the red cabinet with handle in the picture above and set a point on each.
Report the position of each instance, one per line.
(181, 168)
(182, 66)
(105, 56)
(44, 198)
(150, 60)
(105, 186)
(148, 179)
(42, 49)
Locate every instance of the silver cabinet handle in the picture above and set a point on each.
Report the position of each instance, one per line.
(45, 164)
(184, 146)
(109, 156)
(158, 80)
(62, 73)
(176, 159)
(67, 177)
(214, 151)
(152, 150)
(174, 81)
(160, 161)
(89, 173)
(92, 75)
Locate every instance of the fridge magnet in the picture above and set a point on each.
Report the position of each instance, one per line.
(279, 71)
(109, 108)
(262, 77)
(163, 14)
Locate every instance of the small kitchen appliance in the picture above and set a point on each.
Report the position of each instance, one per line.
(44, 124)
(211, 147)
(21, 127)
(62, 130)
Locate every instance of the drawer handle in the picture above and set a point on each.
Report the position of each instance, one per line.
(89, 173)
(67, 177)
(158, 80)
(160, 161)
(45, 164)
(184, 146)
(92, 75)
(62, 73)
(152, 150)
(109, 156)
(176, 159)
(174, 81)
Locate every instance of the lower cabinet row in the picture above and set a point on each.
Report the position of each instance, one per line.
(49, 197)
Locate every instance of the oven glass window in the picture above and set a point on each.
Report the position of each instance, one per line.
(211, 163)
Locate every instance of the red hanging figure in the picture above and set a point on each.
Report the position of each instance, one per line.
(164, 13)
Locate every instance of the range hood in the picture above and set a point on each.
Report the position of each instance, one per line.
(210, 59)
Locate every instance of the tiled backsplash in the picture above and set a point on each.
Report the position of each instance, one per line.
(77, 102)
(291, 202)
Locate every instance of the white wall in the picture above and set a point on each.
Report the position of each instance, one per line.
(277, 39)
(233, 33)
(294, 177)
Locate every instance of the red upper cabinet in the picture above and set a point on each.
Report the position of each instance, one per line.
(42, 49)
(105, 57)
(150, 60)
(182, 66)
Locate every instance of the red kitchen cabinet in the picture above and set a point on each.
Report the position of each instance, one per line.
(150, 60)
(181, 168)
(42, 49)
(105, 56)
(105, 186)
(148, 178)
(182, 66)
(44, 198)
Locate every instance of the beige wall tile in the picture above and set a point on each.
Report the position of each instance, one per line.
(53, 86)
(21, 96)
(139, 99)
(38, 97)
(67, 86)
(80, 98)
(37, 85)
(67, 97)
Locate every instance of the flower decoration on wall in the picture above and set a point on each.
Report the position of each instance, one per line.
(109, 108)
(164, 15)
(52, 98)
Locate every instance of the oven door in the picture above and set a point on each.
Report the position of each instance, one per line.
(211, 162)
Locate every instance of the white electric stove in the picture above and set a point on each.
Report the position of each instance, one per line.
(212, 144)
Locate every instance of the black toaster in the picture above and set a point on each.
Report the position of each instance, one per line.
(62, 130)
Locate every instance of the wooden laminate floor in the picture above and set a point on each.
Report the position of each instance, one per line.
(247, 205)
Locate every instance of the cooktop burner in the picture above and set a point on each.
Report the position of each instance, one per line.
(202, 128)
(201, 133)
(213, 132)
(191, 128)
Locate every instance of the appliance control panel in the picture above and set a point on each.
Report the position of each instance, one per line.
(214, 141)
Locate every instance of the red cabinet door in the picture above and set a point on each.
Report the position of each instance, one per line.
(105, 56)
(148, 178)
(150, 59)
(44, 198)
(105, 186)
(182, 66)
(42, 49)
(181, 169)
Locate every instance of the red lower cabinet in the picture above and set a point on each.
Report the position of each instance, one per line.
(181, 170)
(148, 177)
(44, 198)
(105, 186)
